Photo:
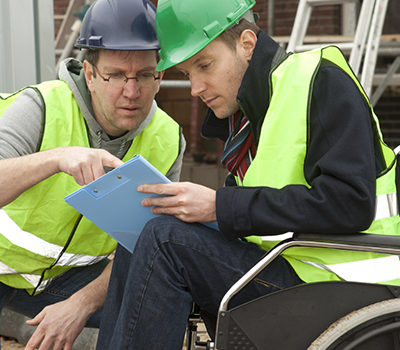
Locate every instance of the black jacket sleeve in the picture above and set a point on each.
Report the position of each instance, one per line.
(341, 167)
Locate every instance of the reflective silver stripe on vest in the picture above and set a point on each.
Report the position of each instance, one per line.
(34, 244)
(31, 279)
(370, 270)
(43, 284)
(386, 206)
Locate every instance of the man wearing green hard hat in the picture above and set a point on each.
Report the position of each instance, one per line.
(304, 152)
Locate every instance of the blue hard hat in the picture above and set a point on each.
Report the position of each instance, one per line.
(119, 25)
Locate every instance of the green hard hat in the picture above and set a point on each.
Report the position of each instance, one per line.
(184, 27)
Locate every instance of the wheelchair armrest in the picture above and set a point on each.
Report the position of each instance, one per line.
(357, 242)
(359, 239)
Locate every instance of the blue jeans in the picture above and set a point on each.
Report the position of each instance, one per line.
(59, 289)
(174, 263)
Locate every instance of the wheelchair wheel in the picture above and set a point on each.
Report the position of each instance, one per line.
(375, 324)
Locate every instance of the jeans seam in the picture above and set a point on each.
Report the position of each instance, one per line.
(56, 293)
(210, 256)
(132, 324)
(238, 272)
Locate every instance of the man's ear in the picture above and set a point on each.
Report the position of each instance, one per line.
(161, 74)
(247, 42)
(88, 71)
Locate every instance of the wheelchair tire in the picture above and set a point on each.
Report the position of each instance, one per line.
(336, 335)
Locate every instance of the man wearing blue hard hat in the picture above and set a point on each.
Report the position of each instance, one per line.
(61, 134)
(305, 154)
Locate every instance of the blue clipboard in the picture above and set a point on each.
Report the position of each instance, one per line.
(112, 202)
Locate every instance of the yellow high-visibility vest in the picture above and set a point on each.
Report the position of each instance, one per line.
(41, 236)
(284, 149)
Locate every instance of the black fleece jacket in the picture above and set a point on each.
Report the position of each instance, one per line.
(341, 165)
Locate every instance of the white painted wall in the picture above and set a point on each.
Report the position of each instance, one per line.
(26, 43)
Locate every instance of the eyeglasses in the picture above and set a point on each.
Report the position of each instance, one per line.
(118, 80)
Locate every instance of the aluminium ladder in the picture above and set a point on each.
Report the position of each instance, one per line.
(365, 45)
(69, 32)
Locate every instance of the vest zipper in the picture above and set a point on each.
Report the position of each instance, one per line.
(71, 235)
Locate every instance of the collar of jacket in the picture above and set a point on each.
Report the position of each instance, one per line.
(253, 94)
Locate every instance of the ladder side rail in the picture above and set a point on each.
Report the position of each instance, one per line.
(69, 19)
(300, 25)
(361, 35)
(371, 52)
(389, 75)
(271, 17)
(302, 19)
(69, 46)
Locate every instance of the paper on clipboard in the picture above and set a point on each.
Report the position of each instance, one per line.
(112, 202)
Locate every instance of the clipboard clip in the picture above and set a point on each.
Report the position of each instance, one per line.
(104, 185)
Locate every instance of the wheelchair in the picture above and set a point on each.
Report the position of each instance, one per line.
(334, 315)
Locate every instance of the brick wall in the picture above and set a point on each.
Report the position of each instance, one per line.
(324, 20)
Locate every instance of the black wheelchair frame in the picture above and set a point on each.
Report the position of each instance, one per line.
(292, 319)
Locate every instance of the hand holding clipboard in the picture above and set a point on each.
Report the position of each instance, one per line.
(113, 203)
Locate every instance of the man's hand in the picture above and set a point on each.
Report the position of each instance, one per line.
(85, 164)
(21, 173)
(187, 201)
(58, 326)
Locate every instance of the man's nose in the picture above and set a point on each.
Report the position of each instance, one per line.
(131, 89)
(197, 86)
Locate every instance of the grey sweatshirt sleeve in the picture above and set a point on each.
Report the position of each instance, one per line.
(21, 126)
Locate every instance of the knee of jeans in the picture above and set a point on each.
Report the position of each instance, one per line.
(162, 229)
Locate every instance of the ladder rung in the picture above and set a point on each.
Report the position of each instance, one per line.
(343, 46)
(329, 2)
(346, 47)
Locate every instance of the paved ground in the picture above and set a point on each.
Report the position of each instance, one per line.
(8, 344)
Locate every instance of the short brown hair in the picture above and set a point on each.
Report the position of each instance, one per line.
(230, 36)
(92, 56)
